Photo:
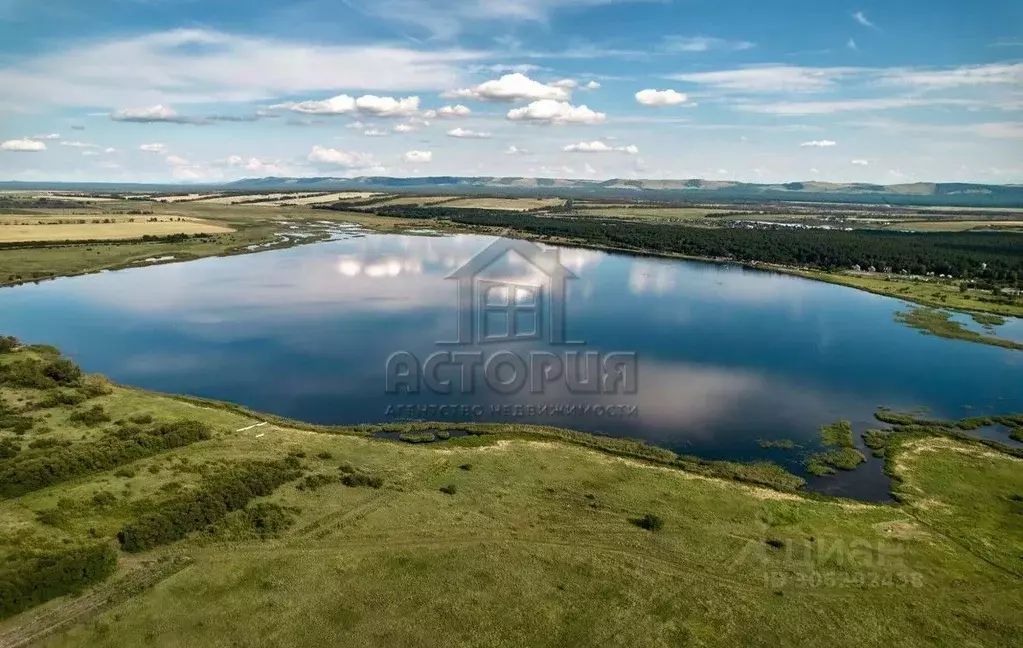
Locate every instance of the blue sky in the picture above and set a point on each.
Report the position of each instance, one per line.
(194, 90)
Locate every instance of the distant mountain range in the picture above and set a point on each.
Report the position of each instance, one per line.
(927, 193)
(918, 193)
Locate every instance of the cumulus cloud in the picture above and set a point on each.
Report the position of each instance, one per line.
(513, 87)
(79, 145)
(375, 132)
(418, 156)
(153, 148)
(591, 85)
(150, 115)
(467, 134)
(514, 150)
(599, 147)
(23, 145)
(859, 162)
(174, 160)
(652, 97)
(334, 157)
(448, 111)
(49, 136)
(819, 144)
(566, 84)
(110, 149)
(370, 105)
(404, 128)
(548, 111)
(256, 165)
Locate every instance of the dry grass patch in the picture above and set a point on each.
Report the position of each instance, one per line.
(510, 204)
(108, 231)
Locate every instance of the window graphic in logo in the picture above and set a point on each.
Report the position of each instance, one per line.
(492, 310)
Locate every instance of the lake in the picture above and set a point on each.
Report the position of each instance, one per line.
(724, 355)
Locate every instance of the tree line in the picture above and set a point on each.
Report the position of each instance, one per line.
(992, 256)
(29, 578)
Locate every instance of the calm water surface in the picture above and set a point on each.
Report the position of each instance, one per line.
(726, 355)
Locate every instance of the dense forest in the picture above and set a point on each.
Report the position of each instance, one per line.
(995, 257)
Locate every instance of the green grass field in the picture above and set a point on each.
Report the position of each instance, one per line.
(516, 539)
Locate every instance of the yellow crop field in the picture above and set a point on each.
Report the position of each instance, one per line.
(11, 232)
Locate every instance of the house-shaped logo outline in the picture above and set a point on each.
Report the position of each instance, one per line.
(472, 293)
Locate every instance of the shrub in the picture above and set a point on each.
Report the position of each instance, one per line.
(650, 522)
(35, 469)
(324, 455)
(8, 343)
(465, 466)
(63, 372)
(96, 385)
(450, 489)
(360, 479)
(315, 482)
(775, 543)
(8, 449)
(346, 468)
(57, 396)
(141, 419)
(208, 504)
(30, 578)
(103, 499)
(267, 519)
(89, 417)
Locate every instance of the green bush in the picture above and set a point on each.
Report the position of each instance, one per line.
(35, 469)
(450, 489)
(28, 579)
(63, 372)
(650, 522)
(8, 343)
(324, 455)
(360, 479)
(465, 466)
(141, 419)
(59, 396)
(96, 385)
(216, 496)
(315, 482)
(89, 417)
(8, 449)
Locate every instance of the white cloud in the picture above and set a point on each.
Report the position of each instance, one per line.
(448, 111)
(859, 162)
(769, 78)
(566, 84)
(79, 145)
(89, 153)
(591, 85)
(851, 44)
(467, 134)
(512, 87)
(404, 128)
(49, 136)
(862, 19)
(819, 144)
(968, 75)
(599, 147)
(110, 149)
(660, 98)
(703, 44)
(206, 66)
(334, 157)
(23, 145)
(339, 105)
(153, 148)
(387, 106)
(445, 19)
(556, 112)
(418, 156)
(152, 114)
(514, 150)
(370, 105)
(826, 107)
(174, 160)
(357, 125)
(375, 132)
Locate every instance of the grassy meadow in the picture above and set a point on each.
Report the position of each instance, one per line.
(506, 537)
